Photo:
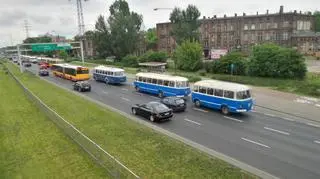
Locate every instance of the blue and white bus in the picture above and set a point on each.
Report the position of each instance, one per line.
(162, 85)
(224, 96)
(109, 75)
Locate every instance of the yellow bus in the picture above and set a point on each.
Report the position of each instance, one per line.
(70, 72)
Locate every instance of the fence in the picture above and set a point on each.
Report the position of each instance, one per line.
(114, 168)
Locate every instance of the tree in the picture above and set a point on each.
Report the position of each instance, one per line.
(270, 60)
(185, 23)
(102, 37)
(124, 28)
(224, 64)
(63, 54)
(43, 39)
(187, 56)
(317, 19)
(151, 39)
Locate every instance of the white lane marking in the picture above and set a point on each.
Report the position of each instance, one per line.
(126, 99)
(248, 140)
(201, 110)
(288, 119)
(271, 115)
(311, 124)
(275, 130)
(105, 92)
(194, 122)
(231, 118)
(318, 105)
(316, 141)
(124, 89)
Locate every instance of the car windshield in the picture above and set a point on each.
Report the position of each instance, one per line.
(179, 101)
(159, 106)
(243, 94)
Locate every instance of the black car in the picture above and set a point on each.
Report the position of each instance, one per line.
(43, 72)
(27, 64)
(154, 111)
(82, 86)
(175, 103)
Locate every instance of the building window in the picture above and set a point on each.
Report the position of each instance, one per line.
(275, 25)
(285, 36)
(245, 37)
(253, 27)
(245, 27)
(168, 41)
(267, 36)
(286, 24)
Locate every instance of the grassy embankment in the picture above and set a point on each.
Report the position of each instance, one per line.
(32, 146)
(146, 152)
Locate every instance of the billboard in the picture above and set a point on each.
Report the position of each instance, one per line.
(217, 53)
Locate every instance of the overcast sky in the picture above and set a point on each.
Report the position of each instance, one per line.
(60, 17)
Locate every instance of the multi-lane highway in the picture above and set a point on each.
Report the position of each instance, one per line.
(284, 148)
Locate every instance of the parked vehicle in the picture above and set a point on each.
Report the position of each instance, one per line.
(175, 103)
(82, 86)
(43, 72)
(109, 75)
(224, 96)
(154, 111)
(162, 85)
(34, 61)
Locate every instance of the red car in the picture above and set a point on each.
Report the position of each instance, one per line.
(44, 65)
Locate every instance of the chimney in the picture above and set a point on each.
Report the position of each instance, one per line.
(257, 13)
(215, 16)
(225, 16)
(267, 11)
(295, 11)
(244, 14)
(204, 17)
(281, 10)
(235, 14)
(300, 12)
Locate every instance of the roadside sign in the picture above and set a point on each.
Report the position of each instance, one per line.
(50, 47)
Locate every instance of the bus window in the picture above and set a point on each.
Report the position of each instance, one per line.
(154, 81)
(171, 83)
(218, 92)
(195, 88)
(82, 71)
(243, 94)
(228, 94)
(144, 79)
(160, 82)
(210, 91)
(140, 78)
(111, 73)
(202, 90)
(148, 80)
(166, 83)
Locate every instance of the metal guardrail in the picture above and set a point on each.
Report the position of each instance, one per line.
(114, 167)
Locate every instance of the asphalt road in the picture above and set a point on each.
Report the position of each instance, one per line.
(284, 148)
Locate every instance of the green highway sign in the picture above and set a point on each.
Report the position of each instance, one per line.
(50, 47)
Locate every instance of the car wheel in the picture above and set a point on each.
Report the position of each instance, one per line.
(79, 89)
(134, 111)
(197, 103)
(151, 118)
(225, 110)
(160, 94)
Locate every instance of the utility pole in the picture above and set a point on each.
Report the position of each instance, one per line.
(26, 26)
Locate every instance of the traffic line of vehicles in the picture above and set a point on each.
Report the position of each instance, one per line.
(172, 90)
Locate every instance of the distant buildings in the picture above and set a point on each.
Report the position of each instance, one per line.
(55, 38)
(242, 32)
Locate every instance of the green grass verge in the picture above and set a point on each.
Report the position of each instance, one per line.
(32, 146)
(146, 152)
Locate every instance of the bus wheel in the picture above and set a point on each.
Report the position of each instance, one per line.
(160, 94)
(224, 110)
(137, 88)
(197, 103)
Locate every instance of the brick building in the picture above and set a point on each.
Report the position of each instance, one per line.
(243, 31)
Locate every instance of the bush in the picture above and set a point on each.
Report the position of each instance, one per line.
(270, 60)
(130, 61)
(188, 56)
(152, 56)
(202, 73)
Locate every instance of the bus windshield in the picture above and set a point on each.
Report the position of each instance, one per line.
(181, 84)
(119, 74)
(244, 94)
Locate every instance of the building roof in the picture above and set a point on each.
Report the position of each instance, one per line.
(222, 85)
(106, 68)
(162, 76)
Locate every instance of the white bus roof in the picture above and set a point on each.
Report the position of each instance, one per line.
(68, 65)
(162, 76)
(106, 68)
(222, 85)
